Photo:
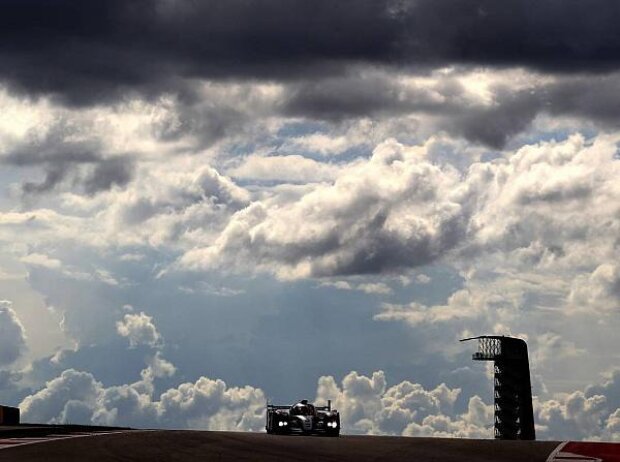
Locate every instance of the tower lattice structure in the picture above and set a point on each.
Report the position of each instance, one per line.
(514, 415)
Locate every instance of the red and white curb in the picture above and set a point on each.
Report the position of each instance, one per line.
(6, 443)
(573, 451)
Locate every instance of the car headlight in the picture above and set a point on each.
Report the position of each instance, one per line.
(280, 423)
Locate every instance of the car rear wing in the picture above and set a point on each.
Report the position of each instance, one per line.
(318, 408)
(274, 407)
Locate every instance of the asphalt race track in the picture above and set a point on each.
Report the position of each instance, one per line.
(180, 446)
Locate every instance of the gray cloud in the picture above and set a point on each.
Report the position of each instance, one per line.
(96, 176)
(12, 334)
(493, 126)
(53, 174)
(449, 105)
(370, 93)
(116, 171)
(67, 152)
(610, 387)
(103, 175)
(587, 96)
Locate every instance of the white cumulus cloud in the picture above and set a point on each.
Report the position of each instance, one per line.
(139, 330)
(393, 211)
(77, 397)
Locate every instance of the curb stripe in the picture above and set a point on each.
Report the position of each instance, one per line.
(7, 443)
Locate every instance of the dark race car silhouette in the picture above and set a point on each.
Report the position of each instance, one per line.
(303, 418)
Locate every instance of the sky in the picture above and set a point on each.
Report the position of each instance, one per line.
(208, 205)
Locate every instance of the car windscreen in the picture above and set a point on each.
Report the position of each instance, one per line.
(300, 409)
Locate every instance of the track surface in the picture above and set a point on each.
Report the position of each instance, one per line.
(181, 446)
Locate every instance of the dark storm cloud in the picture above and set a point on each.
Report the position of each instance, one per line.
(355, 95)
(493, 126)
(596, 97)
(107, 173)
(334, 57)
(93, 51)
(553, 35)
(56, 145)
(591, 97)
(54, 174)
(100, 50)
(61, 158)
(101, 175)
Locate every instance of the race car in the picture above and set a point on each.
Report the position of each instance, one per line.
(303, 418)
